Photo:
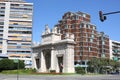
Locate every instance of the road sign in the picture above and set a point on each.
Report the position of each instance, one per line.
(16, 60)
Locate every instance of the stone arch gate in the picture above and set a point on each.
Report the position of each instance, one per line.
(58, 56)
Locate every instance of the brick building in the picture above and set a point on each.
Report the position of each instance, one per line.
(103, 45)
(88, 41)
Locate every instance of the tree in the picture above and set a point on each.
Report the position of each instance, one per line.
(20, 63)
(94, 64)
(103, 65)
(115, 65)
(6, 64)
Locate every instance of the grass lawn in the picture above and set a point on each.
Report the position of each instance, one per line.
(33, 72)
(23, 71)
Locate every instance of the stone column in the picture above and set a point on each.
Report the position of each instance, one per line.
(34, 65)
(69, 60)
(52, 60)
(56, 64)
(43, 65)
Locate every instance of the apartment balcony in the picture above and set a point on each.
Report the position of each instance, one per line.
(19, 49)
(1, 32)
(116, 58)
(29, 7)
(20, 29)
(115, 53)
(116, 45)
(2, 9)
(1, 28)
(20, 58)
(21, 19)
(13, 25)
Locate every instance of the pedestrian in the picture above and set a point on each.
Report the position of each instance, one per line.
(61, 67)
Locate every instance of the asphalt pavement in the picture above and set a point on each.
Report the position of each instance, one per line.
(59, 77)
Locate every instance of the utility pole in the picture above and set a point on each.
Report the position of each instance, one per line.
(103, 15)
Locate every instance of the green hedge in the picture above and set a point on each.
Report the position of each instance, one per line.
(52, 71)
(79, 70)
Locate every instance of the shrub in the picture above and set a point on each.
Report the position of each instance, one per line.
(79, 70)
(52, 71)
(34, 70)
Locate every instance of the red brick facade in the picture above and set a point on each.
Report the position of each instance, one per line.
(103, 45)
(86, 36)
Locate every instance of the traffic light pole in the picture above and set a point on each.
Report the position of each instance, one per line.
(103, 16)
(111, 13)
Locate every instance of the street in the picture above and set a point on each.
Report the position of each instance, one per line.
(59, 77)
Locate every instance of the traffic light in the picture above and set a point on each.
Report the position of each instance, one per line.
(102, 17)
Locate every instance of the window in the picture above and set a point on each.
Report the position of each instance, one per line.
(66, 26)
(115, 51)
(81, 48)
(2, 3)
(12, 44)
(93, 27)
(75, 62)
(1, 30)
(91, 40)
(2, 11)
(84, 15)
(103, 43)
(15, 23)
(0, 51)
(81, 25)
(2, 7)
(0, 42)
(103, 46)
(2, 15)
(72, 26)
(84, 25)
(92, 36)
(1, 23)
(81, 54)
(83, 62)
(88, 26)
(76, 17)
(14, 4)
(103, 38)
(92, 32)
(73, 17)
(86, 39)
(89, 49)
(103, 55)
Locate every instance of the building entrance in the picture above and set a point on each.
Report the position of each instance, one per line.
(60, 62)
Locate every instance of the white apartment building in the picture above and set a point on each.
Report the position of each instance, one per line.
(16, 29)
(115, 50)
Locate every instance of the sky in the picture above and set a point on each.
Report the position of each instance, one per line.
(51, 11)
